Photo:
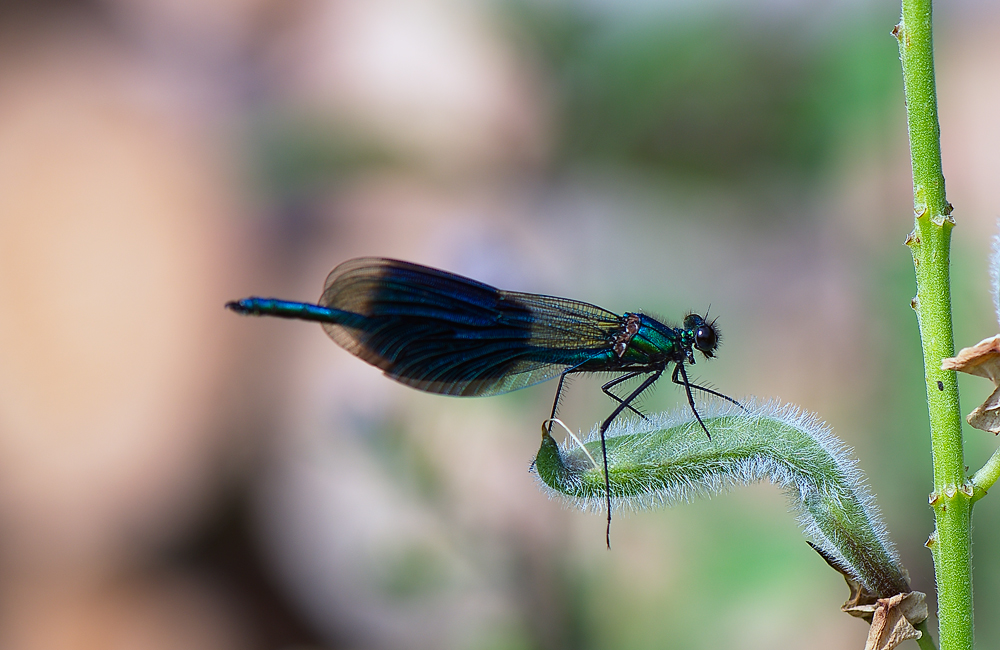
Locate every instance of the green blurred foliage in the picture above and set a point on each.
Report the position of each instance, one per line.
(293, 155)
(710, 98)
(723, 97)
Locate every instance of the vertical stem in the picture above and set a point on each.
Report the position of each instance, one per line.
(929, 243)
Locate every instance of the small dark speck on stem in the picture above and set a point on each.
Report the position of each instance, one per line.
(940, 385)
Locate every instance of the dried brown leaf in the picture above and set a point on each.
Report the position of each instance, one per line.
(894, 619)
(983, 360)
(861, 602)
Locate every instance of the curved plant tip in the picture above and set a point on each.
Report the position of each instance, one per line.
(667, 458)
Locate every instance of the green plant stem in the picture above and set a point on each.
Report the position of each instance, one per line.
(987, 475)
(929, 243)
(925, 641)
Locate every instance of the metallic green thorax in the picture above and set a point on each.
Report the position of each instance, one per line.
(655, 341)
(644, 341)
(641, 341)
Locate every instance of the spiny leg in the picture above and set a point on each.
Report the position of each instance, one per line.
(617, 380)
(649, 381)
(555, 402)
(705, 389)
(679, 368)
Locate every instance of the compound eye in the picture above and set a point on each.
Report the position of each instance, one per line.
(705, 339)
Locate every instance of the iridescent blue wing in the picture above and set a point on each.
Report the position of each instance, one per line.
(444, 333)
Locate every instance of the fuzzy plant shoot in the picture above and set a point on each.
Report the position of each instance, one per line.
(662, 461)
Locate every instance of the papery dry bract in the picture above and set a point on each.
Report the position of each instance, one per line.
(892, 618)
(982, 359)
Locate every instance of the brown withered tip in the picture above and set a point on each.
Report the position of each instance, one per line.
(983, 360)
(892, 619)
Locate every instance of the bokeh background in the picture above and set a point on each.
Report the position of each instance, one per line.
(174, 476)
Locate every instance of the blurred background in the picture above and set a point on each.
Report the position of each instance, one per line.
(174, 476)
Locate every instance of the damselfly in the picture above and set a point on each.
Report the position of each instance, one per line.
(443, 333)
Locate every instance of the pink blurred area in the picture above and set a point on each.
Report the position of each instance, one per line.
(119, 238)
(174, 476)
(131, 410)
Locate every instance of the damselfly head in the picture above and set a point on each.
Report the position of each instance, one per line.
(706, 336)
